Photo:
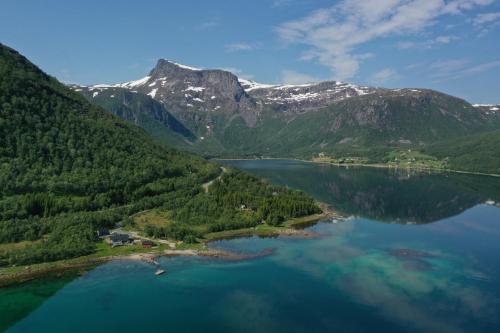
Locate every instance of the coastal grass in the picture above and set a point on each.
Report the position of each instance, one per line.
(13, 275)
(306, 221)
(104, 252)
(265, 229)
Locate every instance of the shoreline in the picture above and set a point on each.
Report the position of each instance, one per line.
(13, 276)
(367, 165)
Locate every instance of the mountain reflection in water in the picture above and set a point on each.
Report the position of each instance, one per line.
(392, 195)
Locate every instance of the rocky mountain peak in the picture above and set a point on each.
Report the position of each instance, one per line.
(183, 88)
(165, 67)
(180, 87)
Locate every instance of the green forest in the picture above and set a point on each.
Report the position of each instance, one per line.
(69, 168)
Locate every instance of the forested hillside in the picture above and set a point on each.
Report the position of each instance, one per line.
(143, 111)
(68, 167)
(476, 153)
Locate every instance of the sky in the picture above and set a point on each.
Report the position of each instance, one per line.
(448, 45)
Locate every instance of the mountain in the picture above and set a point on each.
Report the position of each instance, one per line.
(69, 168)
(232, 117)
(183, 90)
(383, 120)
(303, 97)
(141, 110)
(490, 111)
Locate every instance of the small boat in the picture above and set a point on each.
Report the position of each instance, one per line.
(159, 272)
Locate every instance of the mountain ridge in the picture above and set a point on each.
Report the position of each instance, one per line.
(234, 117)
(348, 89)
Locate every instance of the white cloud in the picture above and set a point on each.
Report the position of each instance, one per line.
(385, 75)
(293, 77)
(486, 18)
(486, 21)
(208, 24)
(448, 66)
(428, 43)
(333, 34)
(445, 39)
(457, 6)
(235, 47)
(479, 68)
(281, 3)
(458, 68)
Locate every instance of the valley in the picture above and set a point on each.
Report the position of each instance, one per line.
(69, 168)
(250, 166)
(71, 190)
(227, 117)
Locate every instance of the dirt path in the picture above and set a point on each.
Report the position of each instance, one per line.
(207, 184)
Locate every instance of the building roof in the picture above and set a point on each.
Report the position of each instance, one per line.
(119, 237)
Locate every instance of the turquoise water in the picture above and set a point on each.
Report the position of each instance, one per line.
(418, 254)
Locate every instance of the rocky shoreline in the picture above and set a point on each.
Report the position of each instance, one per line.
(80, 266)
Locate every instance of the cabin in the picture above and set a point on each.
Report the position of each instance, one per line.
(119, 239)
(146, 243)
(102, 232)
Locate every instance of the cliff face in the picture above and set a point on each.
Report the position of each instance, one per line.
(183, 88)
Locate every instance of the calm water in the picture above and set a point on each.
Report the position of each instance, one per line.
(419, 254)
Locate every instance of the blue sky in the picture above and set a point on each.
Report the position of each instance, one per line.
(448, 45)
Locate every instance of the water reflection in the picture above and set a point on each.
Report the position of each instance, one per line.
(391, 195)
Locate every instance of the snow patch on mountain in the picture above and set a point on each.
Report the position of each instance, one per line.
(128, 85)
(136, 83)
(293, 86)
(184, 66)
(492, 107)
(295, 97)
(250, 85)
(153, 92)
(195, 89)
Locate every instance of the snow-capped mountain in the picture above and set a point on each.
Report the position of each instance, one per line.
(488, 109)
(303, 97)
(182, 87)
(215, 113)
